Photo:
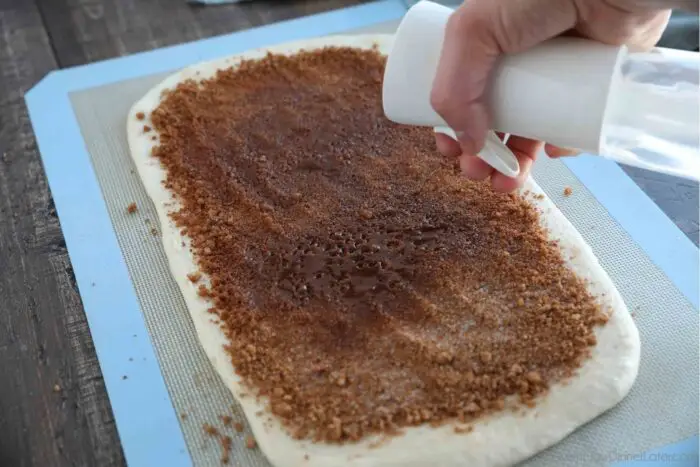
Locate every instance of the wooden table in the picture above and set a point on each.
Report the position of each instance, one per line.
(54, 409)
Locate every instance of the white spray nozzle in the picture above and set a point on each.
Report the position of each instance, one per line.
(495, 153)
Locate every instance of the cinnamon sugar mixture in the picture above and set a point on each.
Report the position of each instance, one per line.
(363, 284)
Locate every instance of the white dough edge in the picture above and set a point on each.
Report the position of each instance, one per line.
(502, 439)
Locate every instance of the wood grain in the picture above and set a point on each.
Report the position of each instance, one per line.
(53, 405)
(84, 31)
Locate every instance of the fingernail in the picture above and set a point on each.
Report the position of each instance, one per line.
(557, 151)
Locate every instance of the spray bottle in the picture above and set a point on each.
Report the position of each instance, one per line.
(637, 108)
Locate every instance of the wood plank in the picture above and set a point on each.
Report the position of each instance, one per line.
(84, 31)
(53, 405)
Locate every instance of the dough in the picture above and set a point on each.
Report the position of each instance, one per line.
(501, 439)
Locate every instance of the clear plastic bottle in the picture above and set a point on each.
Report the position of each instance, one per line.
(654, 114)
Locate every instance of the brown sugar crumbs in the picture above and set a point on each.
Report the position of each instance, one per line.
(462, 430)
(194, 276)
(250, 442)
(131, 208)
(226, 442)
(363, 285)
(226, 446)
(210, 430)
(140, 115)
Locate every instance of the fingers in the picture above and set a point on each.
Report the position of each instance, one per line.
(474, 168)
(526, 146)
(471, 166)
(504, 184)
(467, 57)
(475, 37)
(525, 151)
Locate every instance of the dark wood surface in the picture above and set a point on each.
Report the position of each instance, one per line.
(54, 409)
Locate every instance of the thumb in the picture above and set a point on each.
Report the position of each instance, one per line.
(477, 34)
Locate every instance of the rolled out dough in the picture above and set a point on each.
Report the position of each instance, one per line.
(501, 439)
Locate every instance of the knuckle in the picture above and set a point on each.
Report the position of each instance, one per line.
(440, 100)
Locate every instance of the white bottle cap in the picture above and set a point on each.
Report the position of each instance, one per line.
(555, 92)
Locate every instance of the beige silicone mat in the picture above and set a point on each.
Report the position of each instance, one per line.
(661, 409)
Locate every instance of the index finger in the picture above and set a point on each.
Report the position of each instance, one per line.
(467, 57)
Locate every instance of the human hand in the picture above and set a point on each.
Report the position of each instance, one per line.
(480, 31)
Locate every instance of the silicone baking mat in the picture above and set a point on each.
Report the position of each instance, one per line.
(139, 321)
